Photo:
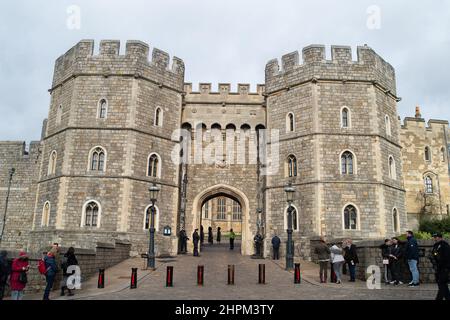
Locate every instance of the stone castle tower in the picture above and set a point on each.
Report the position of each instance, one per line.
(112, 131)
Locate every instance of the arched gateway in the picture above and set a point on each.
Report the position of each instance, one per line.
(229, 192)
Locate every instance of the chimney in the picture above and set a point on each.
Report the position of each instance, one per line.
(418, 115)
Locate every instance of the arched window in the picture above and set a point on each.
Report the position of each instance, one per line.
(237, 211)
(345, 117)
(295, 225)
(103, 109)
(387, 121)
(290, 122)
(205, 210)
(428, 185)
(392, 169)
(427, 154)
(221, 208)
(98, 159)
(91, 214)
(158, 117)
(148, 216)
(347, 163)
(395, 220)
(46, 215)
(350, 218)
(443, 158)
(291, 166)
(59, 114)
(52, 163)
(154, 166)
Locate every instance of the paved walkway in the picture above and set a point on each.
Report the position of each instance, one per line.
(279, 283)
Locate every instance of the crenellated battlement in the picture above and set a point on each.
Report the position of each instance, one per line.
(224, 89)
(368, 66)
(17, 150)
(431, 125)
(80, 60)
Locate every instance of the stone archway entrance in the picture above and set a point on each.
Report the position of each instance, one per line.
(234, 194)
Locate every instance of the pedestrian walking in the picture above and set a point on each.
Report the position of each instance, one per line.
(232, 238)
(183, 239)
(202, 235)
(351, 258)
(219, 235)
(440, 258)
(210, 236)
(412, 256)
(52, 269)
(323, 254)
(276, 247)
(385, 253)
(338, 261)
(395, 261)
(68, 260)
(19, 269)
(195, 239)
(5, 270)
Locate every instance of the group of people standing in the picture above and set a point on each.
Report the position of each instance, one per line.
(199, 238)
(339, 255)
(16, 271)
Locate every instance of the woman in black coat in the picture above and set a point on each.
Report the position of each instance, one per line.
(210, 236)
(395, 261)
(69, 260)
(219, 235)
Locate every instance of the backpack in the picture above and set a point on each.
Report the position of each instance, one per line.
(41, 267)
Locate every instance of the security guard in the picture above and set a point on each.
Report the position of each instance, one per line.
(440, 258)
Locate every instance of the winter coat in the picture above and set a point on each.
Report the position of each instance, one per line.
(276, 242)
(195, 238)
(18, 266)
(336, 254)
(219, 235)
(396, 251)
(412, 249)
(5, 269)
(385, 251)
(69, 260)
(350, 254)
(322, 251)
(441, 256)
(50, 265)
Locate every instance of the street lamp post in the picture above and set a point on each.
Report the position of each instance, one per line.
(11, 173)
(290, 191)
(154, 190)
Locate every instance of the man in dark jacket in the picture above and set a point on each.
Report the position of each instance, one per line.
(195, 239)
(276, 247)
(395, 261)
(412, 255)
(440, 258)
(183, 238)
(5, 270)
(351, 258)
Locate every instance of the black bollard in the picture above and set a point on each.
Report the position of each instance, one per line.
(169, 278)
(297, 274)
(133, 284)
(262, 274)
(200, 275)
(101, 279)
(231, 274)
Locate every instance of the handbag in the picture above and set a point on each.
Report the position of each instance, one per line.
(385, 261)
(23, 278)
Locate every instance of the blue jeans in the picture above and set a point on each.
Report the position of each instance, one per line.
(414, 271)
(50, 280)
(352, 269)
(16, 295)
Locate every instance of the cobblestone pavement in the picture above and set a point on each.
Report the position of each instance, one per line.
(279, 283)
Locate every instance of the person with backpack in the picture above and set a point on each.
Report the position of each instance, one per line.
(51, 270)
(19, 269)
(5, 270)
(68, 260)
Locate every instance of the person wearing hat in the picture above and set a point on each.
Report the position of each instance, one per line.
(20, 267)
(440, 258)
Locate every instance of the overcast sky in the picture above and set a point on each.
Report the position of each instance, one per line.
(221, 41)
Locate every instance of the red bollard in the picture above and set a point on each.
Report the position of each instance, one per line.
(297, 274)
(169, 278)
(200, 275)
(101, 279)
(133, 284)
(262, 274)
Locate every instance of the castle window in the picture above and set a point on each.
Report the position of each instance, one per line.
(350, 218)
(98, 159)
(443, 154)
(291, 166)
(148, 217)
(52, 163)
(59, 115)
(392, 169)
(427, 154)
(290, 122)
(206, 210)
(428, 185)
(221, 209)
(103, 109)
(46, 215)
(158, 117)
(91, 214)
(295, 225)
(345, 118)
(387, 121)
(347, 163)
(237, 211)
(154, 166)
(395, 220)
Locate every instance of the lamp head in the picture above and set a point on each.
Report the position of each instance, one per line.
(290, 191)
(154, 191)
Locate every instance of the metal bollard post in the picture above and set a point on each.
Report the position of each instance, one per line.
(133, 284)
(169, 278)
(200, 275)
(262, 274)
(231, 274)
(101, 279)
(297, 274)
